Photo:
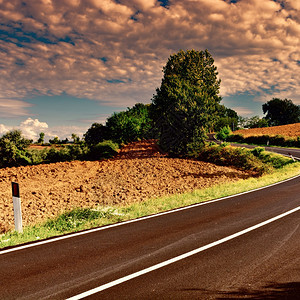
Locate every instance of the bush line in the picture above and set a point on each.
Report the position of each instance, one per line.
(265, 140)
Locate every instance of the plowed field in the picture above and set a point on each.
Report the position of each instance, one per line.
(139, 171)
(291, 130)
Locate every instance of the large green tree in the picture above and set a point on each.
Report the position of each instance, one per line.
(281, 112)
(186, 105)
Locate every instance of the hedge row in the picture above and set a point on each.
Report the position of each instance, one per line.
(265, 140)
(13, 157)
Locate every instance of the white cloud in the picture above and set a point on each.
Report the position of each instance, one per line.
(114, 52)
(31, 129)
(3, 129)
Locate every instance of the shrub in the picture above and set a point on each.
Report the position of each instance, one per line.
(270, 158)
(234, 156)
(257, 151)
(37, 156)
(13, 149)
(236, 138)
(57, 155)
(96, 134)
(277, 140)
(105, 149)
(78, 151)
(224, 133)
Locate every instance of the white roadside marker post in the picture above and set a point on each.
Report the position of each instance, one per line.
(17, 207)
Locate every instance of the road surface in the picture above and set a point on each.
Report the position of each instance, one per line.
(294, 152)
(220, 249)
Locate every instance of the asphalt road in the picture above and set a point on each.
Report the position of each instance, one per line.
(285, 151)
(262, 263)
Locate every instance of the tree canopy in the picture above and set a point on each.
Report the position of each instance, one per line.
(227, 117)
(96, 133)
(13, 149)
(281, 112)
(123, 127)
(130, 125)
(186, 105)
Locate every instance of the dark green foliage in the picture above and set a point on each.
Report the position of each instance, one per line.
(75, 138)
(236, 138)
(257, 159)
(78, 151)
(233, 156)
(131, 125)
(13, 149)
(96, 133)
(224, 133)
(266, 140)
(57, 155)
(277, 140)
(257, 151)
(41, 138)
(227, 117)
(257, 122)
(186, 105)
(55, 140)
(260, 140)
(123, 127)
(275, 160)
(253, 122)
(105, 149)
(37, 156)
(281, 112)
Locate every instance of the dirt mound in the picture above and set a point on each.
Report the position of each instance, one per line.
(291, 130)
(139, 171)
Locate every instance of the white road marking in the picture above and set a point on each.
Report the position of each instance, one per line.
(180, 257)
(51, 240)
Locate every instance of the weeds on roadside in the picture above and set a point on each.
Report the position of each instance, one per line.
(85, 218)
(257, 159)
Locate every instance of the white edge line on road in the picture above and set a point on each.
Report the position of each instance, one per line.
(51, 240)
(180, 257)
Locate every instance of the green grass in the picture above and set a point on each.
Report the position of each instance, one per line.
(85, 218)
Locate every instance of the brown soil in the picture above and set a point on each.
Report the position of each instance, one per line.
(291, 130)
(139, 171)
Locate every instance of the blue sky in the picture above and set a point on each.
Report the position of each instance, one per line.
(65, 64)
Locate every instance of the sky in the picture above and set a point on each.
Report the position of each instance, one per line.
(66, 64)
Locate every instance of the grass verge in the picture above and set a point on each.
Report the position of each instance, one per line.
(85, 218)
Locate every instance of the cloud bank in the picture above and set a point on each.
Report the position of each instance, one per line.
(114, 51)
(31, 129)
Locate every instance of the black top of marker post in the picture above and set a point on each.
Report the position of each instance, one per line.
(15, 189)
